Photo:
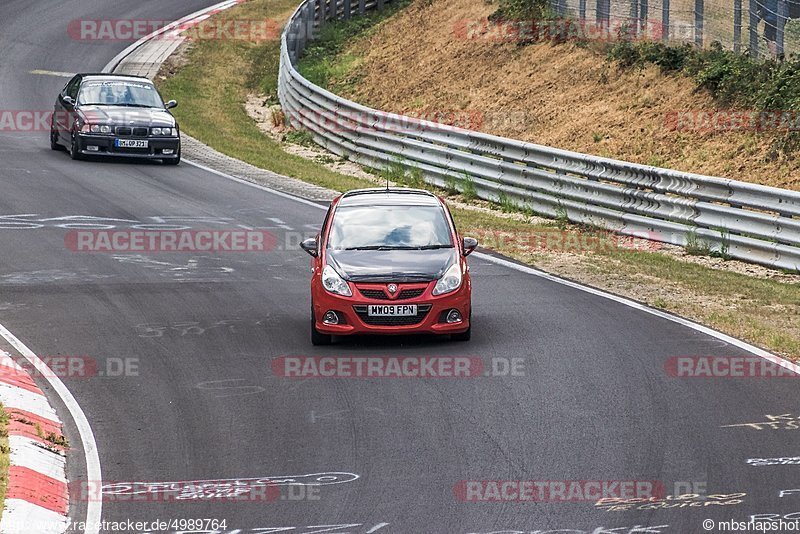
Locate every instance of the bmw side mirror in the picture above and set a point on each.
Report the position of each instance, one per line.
(171, 104)
(310, 246)
(470, 244)
(68, 100)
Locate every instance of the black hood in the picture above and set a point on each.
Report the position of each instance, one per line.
(128, 116)
(392, 265)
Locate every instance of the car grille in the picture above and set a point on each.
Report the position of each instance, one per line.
(380, 294)
(377, 294)
(127, 131)
(422, 312)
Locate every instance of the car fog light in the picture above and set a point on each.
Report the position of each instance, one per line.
(167, 151)
(92, 148)
(453, 316)
(330, 317)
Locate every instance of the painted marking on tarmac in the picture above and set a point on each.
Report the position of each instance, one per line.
(223, 488)
(231, 386)
(94, 507)
(56, 73)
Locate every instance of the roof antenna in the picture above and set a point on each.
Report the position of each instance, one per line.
(387, 182)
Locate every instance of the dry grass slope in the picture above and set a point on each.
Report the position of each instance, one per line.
(572, 98)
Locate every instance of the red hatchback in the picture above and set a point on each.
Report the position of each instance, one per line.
(389, 261)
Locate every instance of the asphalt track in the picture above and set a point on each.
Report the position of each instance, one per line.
(593, 403)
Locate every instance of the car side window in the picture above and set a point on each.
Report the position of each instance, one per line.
(72, 87)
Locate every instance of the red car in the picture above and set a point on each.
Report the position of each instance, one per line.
(389, 261)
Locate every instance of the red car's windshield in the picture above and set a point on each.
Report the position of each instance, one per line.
(387, 227)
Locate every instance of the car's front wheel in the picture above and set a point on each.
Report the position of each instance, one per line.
(317, 337)
(74, 151)
(464, 336)
(54, 138)
(173, 161)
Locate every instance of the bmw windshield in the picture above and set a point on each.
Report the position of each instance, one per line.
(389, 228)
(119, 93)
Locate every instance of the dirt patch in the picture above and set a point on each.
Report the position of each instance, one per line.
(563, 96)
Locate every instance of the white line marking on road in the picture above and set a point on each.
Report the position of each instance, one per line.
(52, 73)
(575, 285)
(94, 507)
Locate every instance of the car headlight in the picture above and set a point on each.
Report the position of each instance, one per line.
(163, 131)
(450, 281)
(96, 128)
(334, 283)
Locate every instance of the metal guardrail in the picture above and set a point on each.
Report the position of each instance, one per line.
(745, 221)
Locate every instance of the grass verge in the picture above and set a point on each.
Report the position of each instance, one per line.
(212, 90)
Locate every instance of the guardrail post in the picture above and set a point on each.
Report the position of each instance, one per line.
(311, 12)
(783, 12)
(298, 45)
(633, 14)
(699, 8)
(380, 5)
(346, 9)
(602, 13)
(753, 28)
(643, 7)
(737, 26)
(665, 20)
(362, 7)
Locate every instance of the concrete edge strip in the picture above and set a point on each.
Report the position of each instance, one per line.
(37, 498)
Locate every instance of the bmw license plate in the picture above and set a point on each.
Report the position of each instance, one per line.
(387, 310)
(131, 143)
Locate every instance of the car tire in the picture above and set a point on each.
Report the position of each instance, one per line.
(463, 336)
(173, 161)
(318, 338)
(74, 153)
(54, 145)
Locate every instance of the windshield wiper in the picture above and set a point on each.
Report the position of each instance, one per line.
(399, 247)
(121, 104)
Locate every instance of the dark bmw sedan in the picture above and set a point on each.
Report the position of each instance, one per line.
(114, 115)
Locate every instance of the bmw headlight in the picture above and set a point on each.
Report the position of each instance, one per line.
(450, 281)
(96, 128)
(334, 283)
(163, 131)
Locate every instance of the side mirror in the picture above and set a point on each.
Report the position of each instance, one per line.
(68, 100)
(310, 246)
(470, 244)
(171, 104)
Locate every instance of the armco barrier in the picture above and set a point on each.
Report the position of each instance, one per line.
(744, 221)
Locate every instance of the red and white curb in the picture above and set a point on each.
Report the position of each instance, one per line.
(37, 498)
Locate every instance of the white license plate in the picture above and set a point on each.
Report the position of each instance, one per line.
(385, 310)
(131, 143)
